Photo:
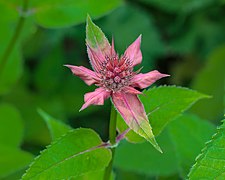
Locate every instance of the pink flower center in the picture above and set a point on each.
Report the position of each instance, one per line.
(116, 73)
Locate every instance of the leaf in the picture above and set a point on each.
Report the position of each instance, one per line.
(166, 103)
(95, 38)
(143, 158)
(76, 153)
(189, 134)
(56, 127)
(58, 14)
(211, 80)
(210, 164)
(163, 104)
(12, 160)
(11, 121)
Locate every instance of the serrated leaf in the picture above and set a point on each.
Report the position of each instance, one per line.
(189, 134)
(76, 153)
(12, 160)
(211, 80)
(56, 127)
(58, 13)
(11, 121)
(95, 38)
(163, 104)
(143, 159)
(211, 163)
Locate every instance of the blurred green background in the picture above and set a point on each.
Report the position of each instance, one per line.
(183, 38)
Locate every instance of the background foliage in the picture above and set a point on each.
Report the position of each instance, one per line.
(40, 99)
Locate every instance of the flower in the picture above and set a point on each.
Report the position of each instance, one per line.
(115, 78)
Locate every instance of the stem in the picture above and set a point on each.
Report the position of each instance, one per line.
(112, 139)
(15, 37)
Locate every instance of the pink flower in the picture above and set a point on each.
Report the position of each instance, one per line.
(115, 78)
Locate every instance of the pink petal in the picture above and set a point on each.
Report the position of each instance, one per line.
(144, 80)
(132, 111)
(133, 52)
(97, 97)
(131, 90)
(96, 58)
(113, 52)
(88, 76)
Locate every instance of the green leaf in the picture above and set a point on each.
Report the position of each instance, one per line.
(211, 164)
(163, 104)
(76, 153)
(12, 160)
(211, 80)
(12, 127)
(189, 134)
(56, 127)
(58, 14)
(143, 158)
(95, 38)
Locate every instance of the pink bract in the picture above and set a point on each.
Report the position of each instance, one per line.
(115, 78)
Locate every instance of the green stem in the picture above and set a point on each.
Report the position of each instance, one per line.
(112, 139)
(15, 37)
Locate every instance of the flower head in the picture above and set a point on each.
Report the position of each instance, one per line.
(115, 78)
